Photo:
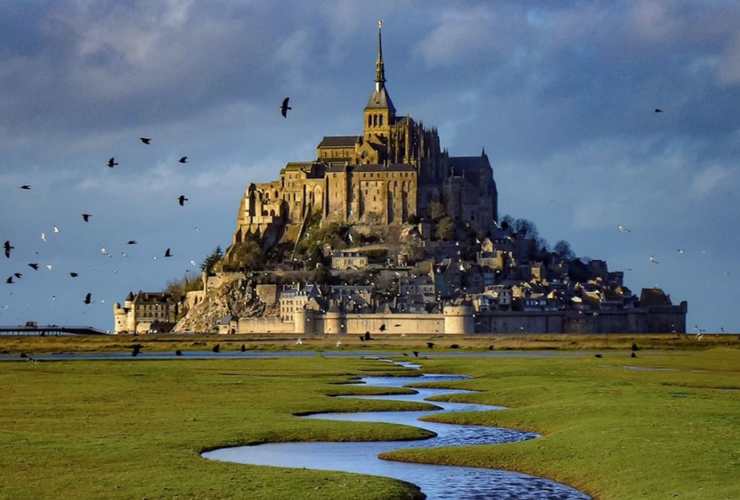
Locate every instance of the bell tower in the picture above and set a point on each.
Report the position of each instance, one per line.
(379, 114)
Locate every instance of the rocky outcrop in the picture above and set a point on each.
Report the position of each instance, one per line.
(230, 298)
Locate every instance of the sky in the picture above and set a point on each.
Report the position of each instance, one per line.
(560, 94)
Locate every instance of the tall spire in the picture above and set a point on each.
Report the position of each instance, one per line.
(379, 67)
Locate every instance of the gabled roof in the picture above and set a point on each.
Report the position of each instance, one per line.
(339, 141)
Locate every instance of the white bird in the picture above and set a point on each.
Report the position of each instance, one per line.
(103, 251)
(653, 260)
(56, 229)
(192, 263)
(339, 343)
(299, 342)
(623, 229)
(681, 251)
(43, 237)
(49, 267)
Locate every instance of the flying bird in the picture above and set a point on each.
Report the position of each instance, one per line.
(182, 199)
(18, 275)
(56, 229)
(284, 107)
(86, 217)
(103, 251)
(168, 253)
(25, 187)
(623, 229)
(49, 267)
(88, 298)
(73, 274)
(681, 251)
(146, 140)
(112, 162)
(658, 110)
(183, 159)
(193, 263)
(653, 260)
(131, 242)
(43, 237)
(8, 247)
(9, 281)
(34, 266)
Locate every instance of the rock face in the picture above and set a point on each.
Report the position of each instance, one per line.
(231, 298)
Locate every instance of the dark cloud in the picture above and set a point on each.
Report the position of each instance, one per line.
(561, 94)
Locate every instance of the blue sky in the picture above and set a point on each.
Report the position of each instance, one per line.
(561, 95)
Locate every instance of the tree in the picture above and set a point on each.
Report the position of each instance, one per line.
(212, 260)
(437, 211)
(445, 228)
(246, 255)
(564, 251)
(525, 228)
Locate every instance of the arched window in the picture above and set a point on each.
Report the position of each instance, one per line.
(380, 120)
(369, 120)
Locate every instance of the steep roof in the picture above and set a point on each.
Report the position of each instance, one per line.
(339, 141)
(381, 99)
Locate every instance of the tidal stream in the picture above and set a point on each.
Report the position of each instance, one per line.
(435, 481)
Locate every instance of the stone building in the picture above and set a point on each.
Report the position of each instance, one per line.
(146, 312)
(394, 170)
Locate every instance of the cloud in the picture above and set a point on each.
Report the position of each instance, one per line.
(710, 179)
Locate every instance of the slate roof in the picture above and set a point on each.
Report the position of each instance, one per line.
(380, 99)
(395, 167)
(339, 141)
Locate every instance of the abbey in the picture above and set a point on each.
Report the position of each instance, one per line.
(389, 175)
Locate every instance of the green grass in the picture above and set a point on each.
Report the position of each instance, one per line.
(135, 429)
(385, 342)
(613, 432)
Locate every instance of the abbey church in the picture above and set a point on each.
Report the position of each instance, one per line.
(389, 175)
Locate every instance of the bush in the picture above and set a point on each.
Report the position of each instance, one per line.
(445, 229)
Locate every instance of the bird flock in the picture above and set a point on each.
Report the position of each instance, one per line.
(9, 248)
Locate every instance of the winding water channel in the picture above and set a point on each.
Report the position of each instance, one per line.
(435, 481)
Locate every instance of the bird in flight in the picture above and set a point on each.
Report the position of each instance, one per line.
(88, 298)
(623, 229)
(8, 247)
(9, 281)
(653, 260)
(18, 275)
(168, 253)
(25, 187)
(43, 237)
(658, 110)
(56, 229)
(183, 159)
(284, 107)
(34, 266)
(182, 199)
(73, 274)
(49, 267)
(131, 242)
(112, 162)
(681, 251)
(146, 140)
(86, 217)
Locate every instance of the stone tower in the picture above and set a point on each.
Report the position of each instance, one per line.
(379, 114)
